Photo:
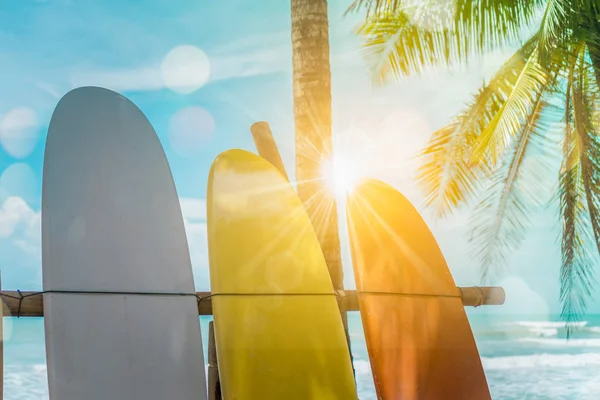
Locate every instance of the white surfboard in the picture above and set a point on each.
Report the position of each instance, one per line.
(111, 222)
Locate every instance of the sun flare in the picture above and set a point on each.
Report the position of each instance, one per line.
(340, 174)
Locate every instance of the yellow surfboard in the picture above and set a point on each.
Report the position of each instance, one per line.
(278, 330)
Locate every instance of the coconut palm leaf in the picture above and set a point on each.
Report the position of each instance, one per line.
(589, 31)
(375, 6)
(576, 264)
(396, 46)
(491, 23)
(502, 218)
(507, 122)
(554, 28)
(447, 175)
(584, 97)
(576, 267)
(447, 179)
(404, 37)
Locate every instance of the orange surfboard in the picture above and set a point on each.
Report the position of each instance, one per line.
(419, 340)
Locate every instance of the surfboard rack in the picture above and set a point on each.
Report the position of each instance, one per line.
(31, 304)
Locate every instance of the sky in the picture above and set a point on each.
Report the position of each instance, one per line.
(203, 72)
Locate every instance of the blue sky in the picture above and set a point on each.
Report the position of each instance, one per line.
(50, 47)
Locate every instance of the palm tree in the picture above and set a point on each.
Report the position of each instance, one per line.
(546, 94)
(312, 120)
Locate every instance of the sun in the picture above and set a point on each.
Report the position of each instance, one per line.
(340, 174)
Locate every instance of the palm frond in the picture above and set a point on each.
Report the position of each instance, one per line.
(589, 31)
(584, 96)
(446, 179)
(446, 175)
(554, 28)
(375, 6)
(485, 24)
(502, 218)
(575, 277)
(405, 37)
(396, 47)
(576, 264)
(529, 81)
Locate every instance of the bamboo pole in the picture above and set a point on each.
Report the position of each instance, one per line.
(32, 303)
(266, 146)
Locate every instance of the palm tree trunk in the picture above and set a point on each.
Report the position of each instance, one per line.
(312, 120)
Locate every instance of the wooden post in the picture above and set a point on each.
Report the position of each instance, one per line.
(266, 146)
(214, 385)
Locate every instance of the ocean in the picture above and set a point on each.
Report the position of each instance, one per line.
(523, 358)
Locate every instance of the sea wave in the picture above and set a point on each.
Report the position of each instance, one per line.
(546, 332)
(25, 382)
(563, 342)
(362, 367)
(535, 329)
(542, 360)
(548, 324)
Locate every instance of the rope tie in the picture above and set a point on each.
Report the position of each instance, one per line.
(20, 303)
(480, 302)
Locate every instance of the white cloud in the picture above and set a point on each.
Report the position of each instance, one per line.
(15, 214)
(198, 246)
(192, 208)
(31, 240)
(22, 225)
(194, 216)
